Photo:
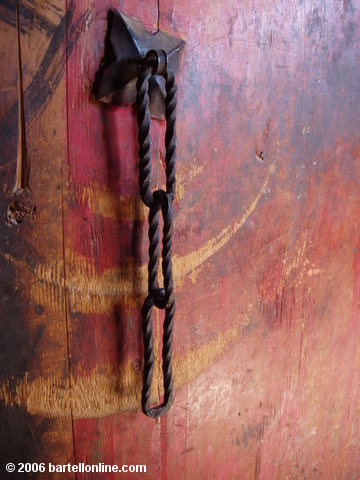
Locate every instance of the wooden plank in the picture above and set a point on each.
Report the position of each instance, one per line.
(267, 230)
(105, 253)
(256, 316)
(34, 375)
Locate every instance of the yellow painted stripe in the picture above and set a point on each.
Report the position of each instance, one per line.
(109, 392)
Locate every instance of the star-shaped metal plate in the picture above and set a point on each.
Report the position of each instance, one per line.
(126, 43)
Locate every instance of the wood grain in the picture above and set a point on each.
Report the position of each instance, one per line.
(104, 248)
(266, 246)
(33, 336)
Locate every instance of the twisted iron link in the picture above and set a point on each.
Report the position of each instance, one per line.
(170, 134)
(144, 138)
(162, 298)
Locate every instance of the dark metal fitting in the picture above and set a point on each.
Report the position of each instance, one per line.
(163, 200)
(127, 45)
(158, 61)
(159, 298)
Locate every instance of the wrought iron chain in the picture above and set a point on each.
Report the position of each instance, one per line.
(162, 298)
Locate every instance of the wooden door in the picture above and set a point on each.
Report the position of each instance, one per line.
(266, 244)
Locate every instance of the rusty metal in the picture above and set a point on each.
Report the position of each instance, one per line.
(127, 43)
(162, 298)
(141, 66)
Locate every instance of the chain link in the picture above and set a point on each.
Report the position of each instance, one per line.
(159, 200)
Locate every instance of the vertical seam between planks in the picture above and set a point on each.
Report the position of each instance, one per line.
(158, 15)
(63, 229)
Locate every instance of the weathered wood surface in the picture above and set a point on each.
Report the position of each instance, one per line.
(267, 218)
(33, 348)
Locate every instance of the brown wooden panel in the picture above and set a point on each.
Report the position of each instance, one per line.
(33, 358)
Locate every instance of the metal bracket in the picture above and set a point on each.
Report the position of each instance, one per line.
(127, 43)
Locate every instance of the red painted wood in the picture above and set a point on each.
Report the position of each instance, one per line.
(266, 245)
(105, 335)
